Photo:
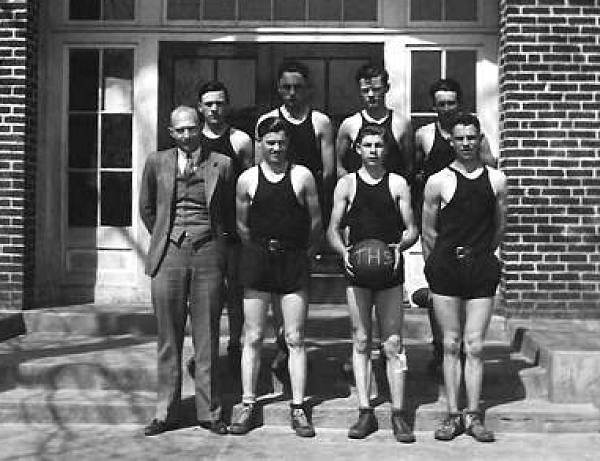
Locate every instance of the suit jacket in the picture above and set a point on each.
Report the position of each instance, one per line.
(157, 199)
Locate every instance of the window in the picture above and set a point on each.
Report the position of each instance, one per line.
(100, 137)
(456, 64)
(274, 10)
(102, 10)
(443, 10)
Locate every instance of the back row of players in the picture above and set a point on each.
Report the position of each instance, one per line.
(380, 165)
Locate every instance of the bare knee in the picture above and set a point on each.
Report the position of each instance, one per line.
(473, 345)
(392, 346)
(451, 344)
(294, 339)
(253, 337)
(361, 343)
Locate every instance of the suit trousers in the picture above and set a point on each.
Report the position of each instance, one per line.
(189, 280)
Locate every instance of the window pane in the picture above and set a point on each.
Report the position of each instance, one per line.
(255, 10)
(425, 69)
(461, 10)
(219, 9)
(183, 9)
(460, 65)
(115, 206)
(119, 9)
(360, 10)
(83, 80)
(83, 199)
(84, 9)
(325, 10)
(425, 10)
(290, 10)
(83, 147)
(116, 141)
(117, 80)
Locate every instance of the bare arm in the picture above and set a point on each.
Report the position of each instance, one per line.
(500, 212)
(486, 154)
(334, 232)
(327, 150)
(342, 144)
(411, 233)
(244, 148)
(242, 205)
(419, 157)
(311, 199)
(431, 206)
(407, 147)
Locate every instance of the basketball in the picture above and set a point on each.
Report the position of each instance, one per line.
(372, 263)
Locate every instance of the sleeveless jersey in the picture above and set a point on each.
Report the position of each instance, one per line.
(276, 213)
(222, 145)
(468, 219)
(394, 160)
(304, 149)
(373, 213)
(440, 156)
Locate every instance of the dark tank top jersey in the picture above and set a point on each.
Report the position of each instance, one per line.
(394, 160)
(468, 219)
(223, 145)
(276, 213)
(303, 144)
(373, 213)
(440, 156)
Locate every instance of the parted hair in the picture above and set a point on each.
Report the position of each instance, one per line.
(446, 84)
(371, 129)
(213, 85)
(292, 66)
(271, 125)
(369, 71)
(465, 118)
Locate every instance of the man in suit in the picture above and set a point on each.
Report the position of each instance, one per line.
(183, 199)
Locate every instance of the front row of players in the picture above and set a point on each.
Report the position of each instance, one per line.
(279, 223)
(278, 220)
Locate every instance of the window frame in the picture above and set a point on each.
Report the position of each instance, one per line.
(99, 237)
(444, 23)
(305, 23)
(136, 9)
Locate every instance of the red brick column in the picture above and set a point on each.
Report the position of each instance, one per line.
(18, 44)
(550, 151)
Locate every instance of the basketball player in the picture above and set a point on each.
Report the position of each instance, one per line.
(375, 204)
(218, 136)
(434, 152)
(463, 224)
(311, 145)
(373, 85)
(279, 222)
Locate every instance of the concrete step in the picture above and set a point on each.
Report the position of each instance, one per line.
(11, 325)
(324, 320)
(568, 356)
(117, 407)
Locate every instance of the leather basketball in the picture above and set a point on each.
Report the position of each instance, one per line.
(372, 263)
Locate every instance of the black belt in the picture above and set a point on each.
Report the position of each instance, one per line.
(273, 245)
(463, 252)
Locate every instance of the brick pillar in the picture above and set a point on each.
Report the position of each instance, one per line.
(550, 151)
(18, 69)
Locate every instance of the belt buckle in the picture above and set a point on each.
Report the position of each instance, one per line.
(462, 253)
(274, 246)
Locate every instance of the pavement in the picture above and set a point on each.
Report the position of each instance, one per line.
(126, 442)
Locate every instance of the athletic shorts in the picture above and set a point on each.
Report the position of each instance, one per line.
(474, 276)
(282, 271)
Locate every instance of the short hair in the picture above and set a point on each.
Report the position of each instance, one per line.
(465, 118)
(294, 67)
(369, 71)
(271, 125)
(371, 129)
(446, 84)
(213, 85)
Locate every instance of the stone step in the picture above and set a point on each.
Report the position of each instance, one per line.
(568, 356)
(324, 320)
(129, 363)
(117, 407)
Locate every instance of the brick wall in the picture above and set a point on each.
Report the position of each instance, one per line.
(550, 144)
(18, 97)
